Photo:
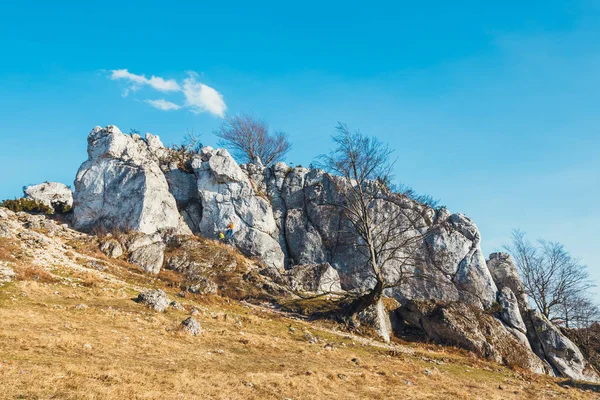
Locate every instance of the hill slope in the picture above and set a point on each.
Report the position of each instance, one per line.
(70, 329)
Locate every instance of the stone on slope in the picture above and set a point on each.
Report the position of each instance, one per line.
(155, 299)
(121, 186)
(53, 194)
(111, 248)
(316, 278)
(468, 327)
(191, 326)
(146, 251)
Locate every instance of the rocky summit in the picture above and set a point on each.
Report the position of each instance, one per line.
(283, 217)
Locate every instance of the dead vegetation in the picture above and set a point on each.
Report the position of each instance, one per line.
(71, 330)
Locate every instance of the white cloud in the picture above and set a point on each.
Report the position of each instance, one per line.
(158, 83)
(163, 104)
(199, 97)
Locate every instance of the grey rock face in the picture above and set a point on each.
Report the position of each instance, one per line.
(557, 349)
(53, 194)
(545, 339)
(468, 327)
(505, 274)
(122, 187)
(227, 196)
(155, 299)
(510, 313)
(191, 326)
(316, 278)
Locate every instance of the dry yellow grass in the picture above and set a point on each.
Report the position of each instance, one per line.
(118, 349)
(78, 334)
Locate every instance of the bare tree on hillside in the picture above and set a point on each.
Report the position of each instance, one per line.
(556, 282)
(384, 230)
(249, 140)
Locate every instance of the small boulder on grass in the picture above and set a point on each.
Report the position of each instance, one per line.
(112, 248)
(191, 326)
(155, 298)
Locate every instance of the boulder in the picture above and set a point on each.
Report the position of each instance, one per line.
(121, 186)
(202, 286)
(146, 251)
(155, 299)
(53, 194)
(191, 326)
(6, 273)
(111, 248)
(5, 230)
(316, 278)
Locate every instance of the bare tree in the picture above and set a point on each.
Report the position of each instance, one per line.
(384, 229)
(249, 140)
(556, 282)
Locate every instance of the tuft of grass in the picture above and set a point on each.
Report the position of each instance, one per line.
(33, 273)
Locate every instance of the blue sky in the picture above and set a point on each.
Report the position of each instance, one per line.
(491, 108)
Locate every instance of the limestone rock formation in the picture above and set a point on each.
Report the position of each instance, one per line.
(546, 340)
(287, 218)
(53, 194)
(112, 248)
(121, 186)
(562, 354)
(468, 327)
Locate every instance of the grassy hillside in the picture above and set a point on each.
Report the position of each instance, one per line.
(70, 329)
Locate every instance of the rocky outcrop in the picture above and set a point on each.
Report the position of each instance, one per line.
(466, 326)
(227, 196)
(121, 186)
(562, 354)
(55, 195)
(288, 219)
(546, 340)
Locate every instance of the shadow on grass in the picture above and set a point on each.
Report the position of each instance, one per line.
(569, 383)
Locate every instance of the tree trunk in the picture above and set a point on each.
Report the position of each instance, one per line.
(365, 301)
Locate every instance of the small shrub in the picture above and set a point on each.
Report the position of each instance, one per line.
(36, 274)
(27, 205)
(495, 308)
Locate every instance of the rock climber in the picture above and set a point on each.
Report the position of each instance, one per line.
(229, 232)
(221, 236)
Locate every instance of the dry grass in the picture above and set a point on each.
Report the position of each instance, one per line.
(77, 334)
(118, 349)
